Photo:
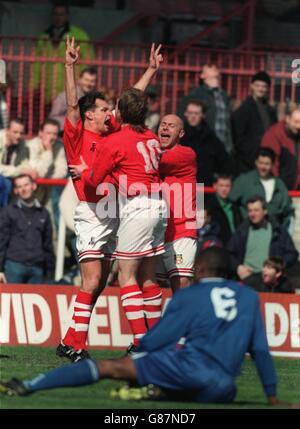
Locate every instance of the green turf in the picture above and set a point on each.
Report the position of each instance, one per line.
(26, 362)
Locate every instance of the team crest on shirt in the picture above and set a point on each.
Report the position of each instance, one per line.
(92, 241)
(178, 259)
(93, 147)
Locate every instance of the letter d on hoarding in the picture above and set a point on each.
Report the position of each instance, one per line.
(273, 310)
(37, 336)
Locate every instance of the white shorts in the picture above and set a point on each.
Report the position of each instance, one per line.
(178, 260)
(142, 227)
(95, 237)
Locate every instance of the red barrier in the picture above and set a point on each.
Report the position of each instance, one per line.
(206, 189)
(39, 315)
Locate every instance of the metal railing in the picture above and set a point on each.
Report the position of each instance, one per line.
(36, 79)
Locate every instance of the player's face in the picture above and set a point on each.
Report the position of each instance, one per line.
(223, 187)
(87, 82)
(24, 188)
(293, 123)
(170, 131)
(264, 166)
(49, 132)
(259, 89)
(15, 133)
(256, 212)
(269, 275)
(101, 116)
(194, 115)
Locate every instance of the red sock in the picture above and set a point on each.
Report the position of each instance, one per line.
(152, 296)
(82, 314)
(132, 302)
(69, 338)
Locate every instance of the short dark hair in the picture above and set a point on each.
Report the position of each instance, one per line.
(225, 176)
(261, 76)
(256, 198)
(133, 108)
(266, 152)
(16, 121)
(197, 103)
(88, 102)
(217, 261)
(276, 262)
(61, 4)
(21, 176)
(89, 70)
(49, 122)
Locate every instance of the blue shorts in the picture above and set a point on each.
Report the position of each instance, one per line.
(172, 370)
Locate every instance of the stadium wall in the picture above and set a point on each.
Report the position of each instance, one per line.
(40, 315)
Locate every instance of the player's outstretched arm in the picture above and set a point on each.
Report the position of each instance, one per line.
(72, 55)
(155, 61)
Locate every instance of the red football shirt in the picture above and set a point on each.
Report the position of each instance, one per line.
(131, 158)
(81, 142)
(177, 167)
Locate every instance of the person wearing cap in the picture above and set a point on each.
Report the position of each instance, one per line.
(251, 120)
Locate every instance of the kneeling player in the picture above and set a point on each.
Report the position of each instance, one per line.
(178, 169)
(211, 316)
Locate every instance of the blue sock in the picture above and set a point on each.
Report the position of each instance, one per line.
(78, 374)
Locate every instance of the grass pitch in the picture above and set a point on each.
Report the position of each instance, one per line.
(26, 362)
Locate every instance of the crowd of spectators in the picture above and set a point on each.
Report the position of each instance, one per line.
(249, 158)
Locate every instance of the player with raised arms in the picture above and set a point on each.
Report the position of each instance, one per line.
(131, 158)
(87, 121)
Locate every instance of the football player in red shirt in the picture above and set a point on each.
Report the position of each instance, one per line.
(131, 158)
(178, 169)
(88, 120)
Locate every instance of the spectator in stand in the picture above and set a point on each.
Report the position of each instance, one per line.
(272, 278)
(153, 116)
(258, 238)
(217, 102)
(52, 44)
(26, 252)
(223, 211)
(47, 157)
(3, 106)
(284, 139)
(251, 120)
(209, 233)
(86, 83)
(46, 152)
(14, 154)
(261, 181)
(211, 155)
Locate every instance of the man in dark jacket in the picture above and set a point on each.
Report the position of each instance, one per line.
(211, 155)
(26, 251)
(258, 238)
(223, 211)
(217, 103)
(250, 121)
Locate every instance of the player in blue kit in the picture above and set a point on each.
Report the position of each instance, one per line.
(220, 321)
